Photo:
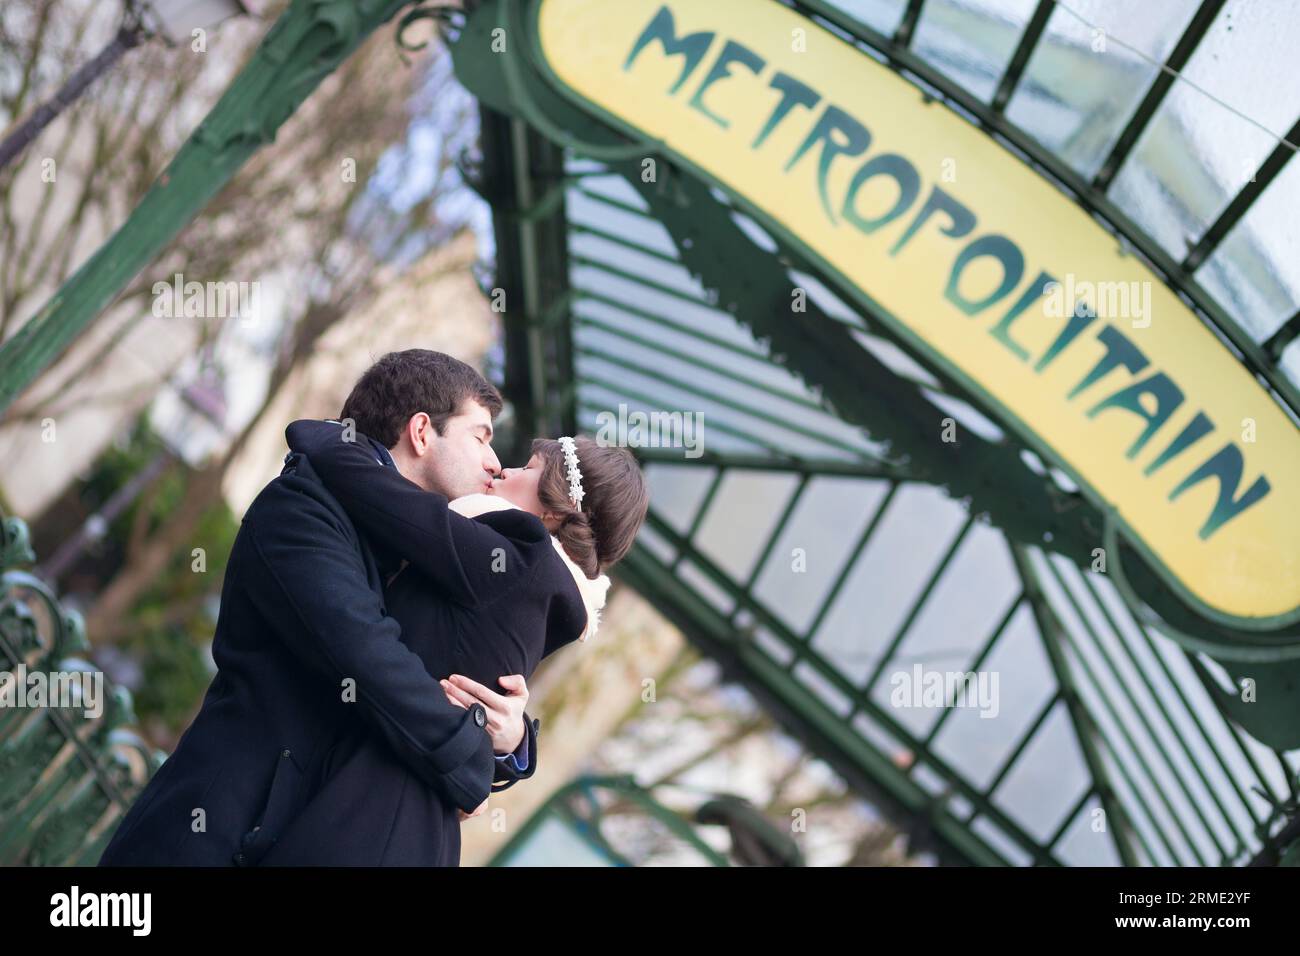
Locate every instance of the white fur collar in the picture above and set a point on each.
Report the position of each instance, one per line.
(593, 592)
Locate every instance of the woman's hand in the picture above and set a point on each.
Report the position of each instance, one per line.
(462, 815)
(505, 712)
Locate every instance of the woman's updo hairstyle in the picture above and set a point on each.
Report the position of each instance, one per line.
(614, 501)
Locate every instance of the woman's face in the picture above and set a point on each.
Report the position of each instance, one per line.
(519, 486)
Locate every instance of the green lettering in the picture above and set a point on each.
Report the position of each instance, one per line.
(663, 29)
(731, 53)
(886, 164)
(856, 139)
(1161, 387)
(1227, 467)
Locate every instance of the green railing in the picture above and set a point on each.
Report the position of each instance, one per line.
(69, 765)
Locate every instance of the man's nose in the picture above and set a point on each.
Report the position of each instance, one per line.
(491, 463)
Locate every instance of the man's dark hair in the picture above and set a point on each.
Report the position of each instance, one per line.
(417, 380)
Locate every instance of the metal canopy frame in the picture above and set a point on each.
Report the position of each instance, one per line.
(656, 314)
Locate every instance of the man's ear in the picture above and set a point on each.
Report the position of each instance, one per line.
(420, 432)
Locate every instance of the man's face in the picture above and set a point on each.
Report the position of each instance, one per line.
(460, 461)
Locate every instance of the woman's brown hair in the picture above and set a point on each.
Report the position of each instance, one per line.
(614, 501)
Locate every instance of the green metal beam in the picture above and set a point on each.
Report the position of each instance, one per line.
(1024, 49)
(1051, 632)
(754, 284)
(795, 464)
(1133, 703)
(524, 179)
(1158, 699)
(1163, 83)
(1268, 171)
(1286, 334)
(907, 26)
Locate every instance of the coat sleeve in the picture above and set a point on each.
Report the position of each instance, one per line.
(471, 562)
(313, 589)
(507, 776)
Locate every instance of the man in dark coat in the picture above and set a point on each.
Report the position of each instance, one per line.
(303, 646)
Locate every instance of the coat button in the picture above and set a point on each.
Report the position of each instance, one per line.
(480, 715)
(239, 858)
(285, 752)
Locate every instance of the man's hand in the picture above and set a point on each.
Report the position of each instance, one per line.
(462, 815)
(505, 712)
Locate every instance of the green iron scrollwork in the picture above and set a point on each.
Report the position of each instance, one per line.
(67, 773)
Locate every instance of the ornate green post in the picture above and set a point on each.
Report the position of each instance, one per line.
(306, 44)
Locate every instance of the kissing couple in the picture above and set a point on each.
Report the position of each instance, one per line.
(387, 597)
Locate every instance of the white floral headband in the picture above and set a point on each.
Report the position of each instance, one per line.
(575, 476)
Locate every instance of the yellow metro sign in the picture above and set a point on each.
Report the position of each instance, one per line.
(978, 262)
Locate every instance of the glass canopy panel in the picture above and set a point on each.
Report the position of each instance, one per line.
(733, 532)
(1255, 272)
(883, 16)
(1290, 363)
(1084, 843)
(1047, 779)
(972, 40)
(1238, 94)
(1026, 687)
(1089, 71)
(646, 336)
(972, 593)
(889, 576)
(815, 543)
(679, 492)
